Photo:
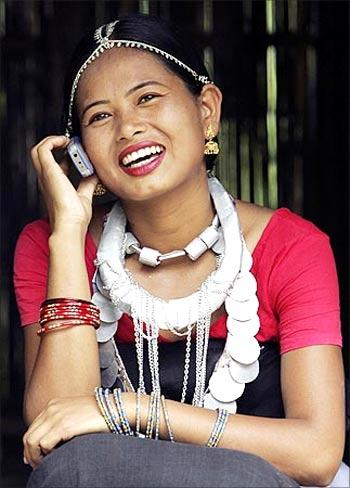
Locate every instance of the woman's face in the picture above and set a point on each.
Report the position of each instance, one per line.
(143, 130)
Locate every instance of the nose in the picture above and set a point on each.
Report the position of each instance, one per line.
(130, 125)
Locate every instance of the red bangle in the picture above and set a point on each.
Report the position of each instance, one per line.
(76, 310)
(59, 326)
(55, 301)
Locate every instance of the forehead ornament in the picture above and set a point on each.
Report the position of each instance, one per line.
(103, 41)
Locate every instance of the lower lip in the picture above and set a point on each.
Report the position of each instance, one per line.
(143, 170)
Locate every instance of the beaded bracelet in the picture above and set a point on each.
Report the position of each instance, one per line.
(153, 419)
(166, 417)
(138, 413)
(218, 428)
(149, 425)
(157, 415)
(104, 410)
(121, 412)
(111, 412)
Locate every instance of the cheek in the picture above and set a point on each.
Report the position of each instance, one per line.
(96, 150)
(186, 126)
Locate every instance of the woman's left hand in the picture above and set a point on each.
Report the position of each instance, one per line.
(62, 419)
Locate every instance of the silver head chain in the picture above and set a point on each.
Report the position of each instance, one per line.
(103, 43)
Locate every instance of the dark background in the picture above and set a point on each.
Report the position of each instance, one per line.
(283, 67)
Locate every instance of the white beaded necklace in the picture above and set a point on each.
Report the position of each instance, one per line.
(116, 293)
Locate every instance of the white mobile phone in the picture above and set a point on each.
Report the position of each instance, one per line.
(79, 157)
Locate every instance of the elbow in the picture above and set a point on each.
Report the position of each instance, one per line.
(328, 473)
(322, 470)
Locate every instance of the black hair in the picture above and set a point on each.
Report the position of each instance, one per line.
(149, 30)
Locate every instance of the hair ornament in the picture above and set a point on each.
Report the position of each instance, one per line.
(109, 28)
(104, 43)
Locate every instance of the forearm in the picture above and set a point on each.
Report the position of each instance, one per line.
(67, 362)
(294, 446)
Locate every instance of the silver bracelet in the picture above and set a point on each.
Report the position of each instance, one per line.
(218, 428)
(166, 417)
(121, 412)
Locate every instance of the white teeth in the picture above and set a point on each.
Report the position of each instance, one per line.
(145, 161)
(141, 153)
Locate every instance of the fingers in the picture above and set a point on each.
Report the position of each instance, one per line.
(40, 440)
(40, 443)
(42, 152)
(87, 186)
(61, 420)
(32, 453)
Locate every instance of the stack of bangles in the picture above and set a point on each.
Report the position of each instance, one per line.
(63, 313)
(113, 411)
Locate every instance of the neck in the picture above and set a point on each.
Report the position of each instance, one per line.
(173, 220)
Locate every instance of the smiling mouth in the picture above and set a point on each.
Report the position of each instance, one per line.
(143, 156)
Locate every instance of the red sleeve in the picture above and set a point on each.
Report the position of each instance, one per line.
(31, 268)
(304, 288)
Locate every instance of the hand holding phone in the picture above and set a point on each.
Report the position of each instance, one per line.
(79, 157)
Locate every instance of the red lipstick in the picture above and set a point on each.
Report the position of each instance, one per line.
(146, 168)
(145, 163)
(136, 147)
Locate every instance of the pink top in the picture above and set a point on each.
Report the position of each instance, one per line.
(292, 262)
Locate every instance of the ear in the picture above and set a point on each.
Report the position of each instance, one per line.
(210, 104)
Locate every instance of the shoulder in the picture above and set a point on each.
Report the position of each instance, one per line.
(263, 226)
(253, 221)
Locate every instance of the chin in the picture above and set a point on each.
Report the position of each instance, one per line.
(146, 189)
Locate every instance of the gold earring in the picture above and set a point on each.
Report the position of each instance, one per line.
(100, 190)
(211, 147)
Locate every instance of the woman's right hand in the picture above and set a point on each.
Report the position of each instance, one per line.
(66, 205)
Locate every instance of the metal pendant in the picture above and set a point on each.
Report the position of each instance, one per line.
(213, 404)
(245, 287)
(250, 327)
(243, 349)
(106, 331)
(223, 387)
(244, 373)
(108, 312)
(242, 311)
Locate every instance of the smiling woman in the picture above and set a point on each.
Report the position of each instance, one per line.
(116, 103)
(174, 261)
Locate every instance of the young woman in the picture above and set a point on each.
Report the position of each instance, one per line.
(228, 309)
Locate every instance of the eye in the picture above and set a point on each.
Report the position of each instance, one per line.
(148, 97)
(97, 117)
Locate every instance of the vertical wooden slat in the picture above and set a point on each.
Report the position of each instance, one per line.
(144, 7)
(227, 172)
(244, 162)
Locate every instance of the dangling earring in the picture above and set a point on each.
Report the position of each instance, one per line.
(211, 147)
(100, 190)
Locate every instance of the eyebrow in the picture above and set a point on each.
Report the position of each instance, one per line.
(129, 92)
(142, 85)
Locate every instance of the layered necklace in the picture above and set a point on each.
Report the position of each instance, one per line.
(116, 292)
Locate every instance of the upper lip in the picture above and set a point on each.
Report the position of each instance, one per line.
(136, 147)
